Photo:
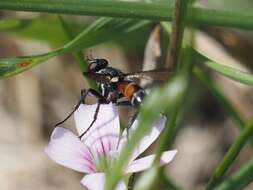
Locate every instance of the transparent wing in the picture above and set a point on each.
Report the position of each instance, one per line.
(157, 74)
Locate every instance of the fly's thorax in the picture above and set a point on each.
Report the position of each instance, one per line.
(109, 91)
(113, 75)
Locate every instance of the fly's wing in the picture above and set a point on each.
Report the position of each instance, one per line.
(158, 75)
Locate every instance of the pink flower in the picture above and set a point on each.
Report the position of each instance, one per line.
(101, 145)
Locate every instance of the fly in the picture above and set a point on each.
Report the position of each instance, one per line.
(115, 86)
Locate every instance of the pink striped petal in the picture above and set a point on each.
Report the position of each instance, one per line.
(146, 162)
(147, 140)
(103, 136)
(65, 148)
(96, 181)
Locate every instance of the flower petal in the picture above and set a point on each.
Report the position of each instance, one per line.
(65, 148)
(103, 136)
(146, 162)
(147, 140)
(96, 181)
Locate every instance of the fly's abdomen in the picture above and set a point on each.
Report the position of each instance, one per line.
(132, 91)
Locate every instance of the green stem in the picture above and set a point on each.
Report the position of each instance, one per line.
(177, 33)
(178, 27)
(231, 154)
(110, 8)
(131, 9)
(232, 73)
(185, 69)
(240, 179)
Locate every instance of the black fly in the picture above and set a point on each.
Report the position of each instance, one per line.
(115, 86)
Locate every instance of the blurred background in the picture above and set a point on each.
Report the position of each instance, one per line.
(33, 101)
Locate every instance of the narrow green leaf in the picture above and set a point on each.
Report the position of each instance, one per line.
(102, 30)
(107, 27)
(234, 74)
(155, 10)
(230, 156)
(207, 17)
(78, 55)
(12, 66)
(240, 179)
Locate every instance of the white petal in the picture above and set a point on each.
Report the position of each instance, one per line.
(146, 162)
(147, 140)
(96, 181)
(65, 148)
(103, 136)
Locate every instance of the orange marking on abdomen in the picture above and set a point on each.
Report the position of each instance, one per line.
(127, 89)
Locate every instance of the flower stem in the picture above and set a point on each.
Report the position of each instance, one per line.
(177, 33)
(240, 179)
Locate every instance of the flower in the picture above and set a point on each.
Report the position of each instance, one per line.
(101, 145)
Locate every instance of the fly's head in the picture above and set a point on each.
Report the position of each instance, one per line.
(95, 65)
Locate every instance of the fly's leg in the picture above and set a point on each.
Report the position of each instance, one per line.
(132, 119)
(84, 94)
(130, 123)
(123, 103)
(94, 120)
(101, 100)
(131, 182)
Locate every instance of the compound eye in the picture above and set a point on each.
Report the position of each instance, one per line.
(97, 64)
